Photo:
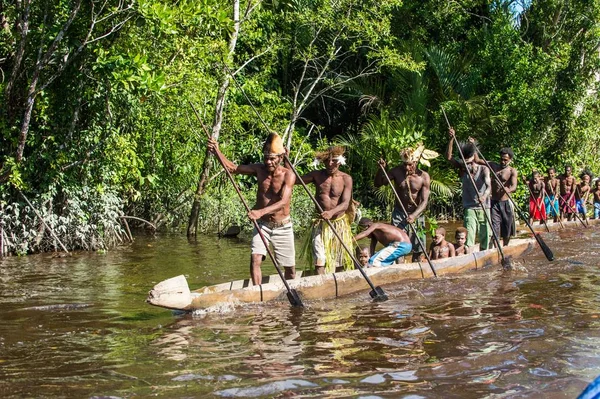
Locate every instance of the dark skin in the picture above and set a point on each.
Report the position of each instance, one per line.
(567, 187)
(383, 233)
(596, 192)
(363, 256)
(273, 197)
(334, 192)
(582, 191)
(553, 187)
(459, 245)
(412, 184)
(440, 248)
(461, 168)
(507, 175)
(536, 188)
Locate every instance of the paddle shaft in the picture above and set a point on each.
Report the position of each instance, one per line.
(412, 227)
(376, 290)
(554, 200)
(547, 252)
(487, 217)
(566, 203)
(254, 222)
(320, 209)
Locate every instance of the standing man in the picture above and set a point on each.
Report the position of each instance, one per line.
(413, 187)
(334, 195)
(474, 219)
(567, 193)
(503, 214)
(552, 190)
(272, 209)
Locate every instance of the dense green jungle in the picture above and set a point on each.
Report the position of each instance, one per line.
(98, 136)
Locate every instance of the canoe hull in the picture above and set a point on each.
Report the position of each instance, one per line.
(227, 295)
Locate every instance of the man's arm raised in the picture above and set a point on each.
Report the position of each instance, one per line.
(213, 146)
(380, 179)
(449, 157)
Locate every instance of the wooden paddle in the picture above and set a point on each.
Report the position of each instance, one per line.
(566, 203)
(537, 206)
(292, 294)
(547, 252)
(505, 261)
(554, 200)
(412, 227)
(376, 293)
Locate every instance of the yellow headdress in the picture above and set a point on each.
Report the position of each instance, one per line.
(418, 154)
(273, 145)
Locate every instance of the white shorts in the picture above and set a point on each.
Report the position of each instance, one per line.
(281, 239)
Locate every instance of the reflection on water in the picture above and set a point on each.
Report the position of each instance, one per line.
(79, 327)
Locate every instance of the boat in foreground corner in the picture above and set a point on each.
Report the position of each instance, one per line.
(174, 293)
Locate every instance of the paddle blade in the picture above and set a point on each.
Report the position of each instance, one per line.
(506, 264)
(294, 298)
(547, 252)
(378, 295)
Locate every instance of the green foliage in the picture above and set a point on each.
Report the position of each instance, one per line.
(110, 119)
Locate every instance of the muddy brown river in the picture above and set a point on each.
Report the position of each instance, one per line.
(79, 327)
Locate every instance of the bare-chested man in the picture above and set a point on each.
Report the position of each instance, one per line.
(502, 212)
(567, 193)
(413, 187)
(272, 209)
(333, 193)
(552, 190)
(394, 239)
(582, 193)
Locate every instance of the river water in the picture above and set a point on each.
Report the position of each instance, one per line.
(78, 327)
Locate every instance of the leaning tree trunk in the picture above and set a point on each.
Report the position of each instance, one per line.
(217, 124)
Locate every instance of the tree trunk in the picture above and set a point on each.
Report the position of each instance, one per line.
(216, 127)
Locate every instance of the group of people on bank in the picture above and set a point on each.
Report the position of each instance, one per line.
(483, 199)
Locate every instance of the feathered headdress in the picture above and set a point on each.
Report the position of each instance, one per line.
(418, 154)
(333, 152)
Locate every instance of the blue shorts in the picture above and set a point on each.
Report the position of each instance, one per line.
(596, 210)
(389, 254)
(581, 207)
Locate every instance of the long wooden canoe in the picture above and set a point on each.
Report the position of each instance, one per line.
(174, 293)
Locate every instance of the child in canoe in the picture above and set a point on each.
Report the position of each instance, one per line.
(460, 244)
(440, 248)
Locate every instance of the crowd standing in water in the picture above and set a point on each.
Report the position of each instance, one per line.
(486, 190)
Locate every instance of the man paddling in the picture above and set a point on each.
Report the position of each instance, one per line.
(502, 213)
(334, 195)
(567, 193)
(552, 190)
(394, 239)
(474, 219)
(272, 209)
(413, 186)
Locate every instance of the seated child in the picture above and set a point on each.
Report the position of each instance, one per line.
(460, 247)
(596, 192)
(363, 254)
(440, 248)
(395, 241)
